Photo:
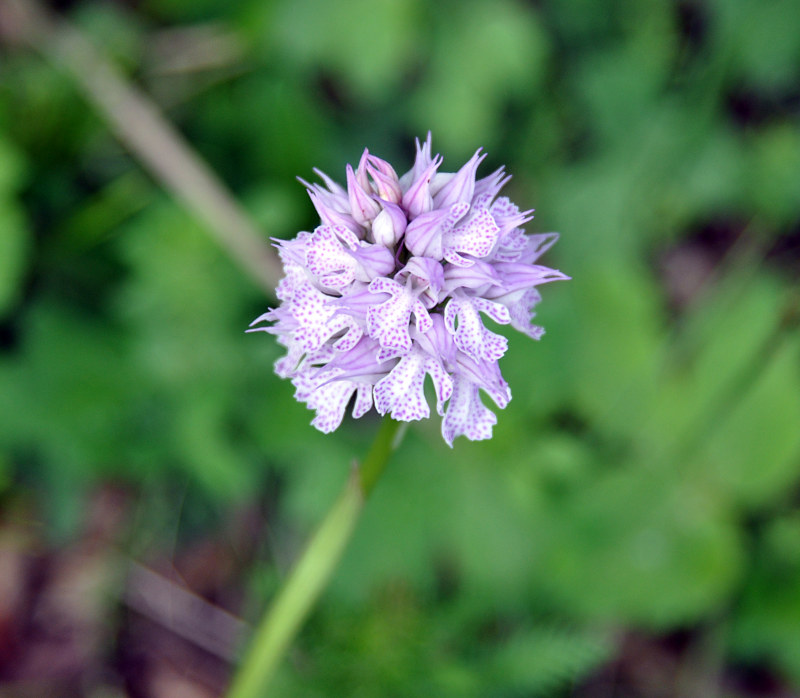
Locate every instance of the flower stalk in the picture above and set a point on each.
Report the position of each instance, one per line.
(313, 570)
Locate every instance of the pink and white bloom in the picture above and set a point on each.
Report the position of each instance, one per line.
(393, 287)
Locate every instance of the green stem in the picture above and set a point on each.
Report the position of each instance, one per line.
(311, 573)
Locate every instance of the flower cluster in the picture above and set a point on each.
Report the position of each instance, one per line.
(390, 289)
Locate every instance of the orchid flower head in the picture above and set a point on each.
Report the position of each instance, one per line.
(394, 286)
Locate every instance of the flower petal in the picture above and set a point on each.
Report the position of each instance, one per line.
(328, 259)
(417, 199)
(461, 187)
(421, 162)
(388, 322)
(476, 237)
(331, 216)
(311, 311)
(471, 336)
(466, 414)
(401, 393)
(362, 206)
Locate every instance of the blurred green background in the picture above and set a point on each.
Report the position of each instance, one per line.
(632, 529)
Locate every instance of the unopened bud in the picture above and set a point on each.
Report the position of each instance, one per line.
(389, 225)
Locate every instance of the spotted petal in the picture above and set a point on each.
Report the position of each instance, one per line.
(329, 397)
(328, 258)
(466, 414)
(388, 322)
(311, 310)
(521, 312)
(353, 331)
(476, 237)
(401, 393)
(471, 336)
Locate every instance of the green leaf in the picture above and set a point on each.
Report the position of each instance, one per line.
(638, 546)
(774, 172)
(369, 45)
(544, 659)
(14, 249)
(487, 54)
(14, 233)
(763, 38)
(754, 453)
(767, 625)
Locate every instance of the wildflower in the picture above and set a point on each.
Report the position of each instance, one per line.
(394, 286)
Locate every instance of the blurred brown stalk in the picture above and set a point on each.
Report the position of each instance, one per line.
(146, 133)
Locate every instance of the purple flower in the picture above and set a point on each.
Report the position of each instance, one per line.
(394, 286)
